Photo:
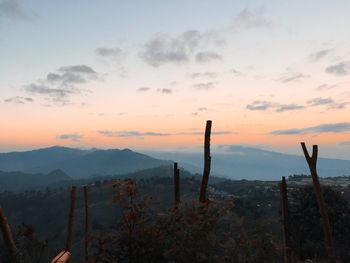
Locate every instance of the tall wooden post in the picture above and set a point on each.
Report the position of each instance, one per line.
(285, 221)
(73, 193)
(207, 160)
(328, 241)
(86, 206)
(8, 237)
(176, 185)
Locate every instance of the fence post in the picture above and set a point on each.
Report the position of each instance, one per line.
(285, 220)
(328, 241)
(8, 237)
(207, 160)
(176, 185)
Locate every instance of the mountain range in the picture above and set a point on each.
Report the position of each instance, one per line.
(237, 162)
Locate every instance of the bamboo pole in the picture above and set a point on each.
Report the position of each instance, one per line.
(73, 192)
(207, 160)
(8, 237)
(285, 221)
(176, 185)
(86, 206)
(328, 241)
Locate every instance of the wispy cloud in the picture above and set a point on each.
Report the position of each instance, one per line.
(316, 56)
(208, 74)
(252, 18)
(330, 102)
(140, 134)
(70, 136)
(259, 105)
(325, 86)
(19, 100)
(204, 85)
(143, 89)
(339, 69)
(14, 9)
(323, 128)
(61, 85)
(207, 56)
(293, 77)
(289, 107)
(165, 91)
(163, 49)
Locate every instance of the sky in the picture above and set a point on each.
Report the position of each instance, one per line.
(148, 74)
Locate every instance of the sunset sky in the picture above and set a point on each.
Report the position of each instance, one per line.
(148, 74)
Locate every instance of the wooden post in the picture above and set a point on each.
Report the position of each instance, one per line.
(73, 192)
(62, 257)
(176, 185)
(328, 241)
(285, 221)
(207, 160)
(86, 205)
(8, 237)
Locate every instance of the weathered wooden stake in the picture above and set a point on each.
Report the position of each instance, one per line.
(176, 185)
(62, 257)
(207, 160)
(328, 241)
(285, 221)
(8, 237)
(73, 193)
(86, 205)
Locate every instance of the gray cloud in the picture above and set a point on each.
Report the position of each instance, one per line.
(163, 49)
(345, 143)
(288, 107)
(204, 85)
(143, 89)
(252, 18)
(166, 91)
(235, 72)
(19, 100)
(109, 52)
(339, 69)
(59, 86)
(70, 136)
(207, 56)
(267, 105)
(259, 105)
(314, 57)
(292, 77)
(13, 9)
(326, 101)
(326, 87)
(139, 134)
(208, 74)
(323, 128)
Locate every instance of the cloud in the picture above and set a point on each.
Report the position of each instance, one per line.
(70, 136)
(60, 85)
(258, 105)
(326, 87)
(288, 107)
(314, 57)
(204, 85)
(345, 143)
(19, 100)
(340, 69)
(13, 9)
(139, 134)
(252, 18)
(293, 77)
(207, 56)
(143, 89)
(326, 101)
(208, 74)
(166, 91)
(323, 128)
(109, 52)
(235, 72)
(163, 49)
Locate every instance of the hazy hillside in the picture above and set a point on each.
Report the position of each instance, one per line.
(18, 181)
(77, 163)
(252, 163)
